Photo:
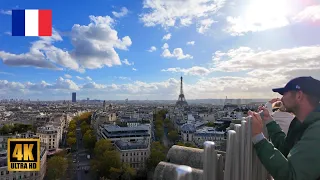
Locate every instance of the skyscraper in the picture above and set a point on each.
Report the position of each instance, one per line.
(74, 97)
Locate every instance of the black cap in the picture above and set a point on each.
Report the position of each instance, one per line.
(306, 84)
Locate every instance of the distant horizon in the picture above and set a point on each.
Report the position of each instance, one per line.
(139, 99)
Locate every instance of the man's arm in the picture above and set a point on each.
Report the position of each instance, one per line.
(303, 161)
(278, 137)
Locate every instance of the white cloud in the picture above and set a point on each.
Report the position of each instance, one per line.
(245, 59)
(80, 78)
(258, 16)
(93, 85)
(126, 62)
(167, 37)
(124, 11)
(311, 13)
(134, 69)
(204, 25)
(169, 13)
(6, 12)
(68, 76)
(124, 78)
(190, 43)
(177, 53)
(165, 46)
(152, 48)
(88, 78)
(194, 71)
(94, 47)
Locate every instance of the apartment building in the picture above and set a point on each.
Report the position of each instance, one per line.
(133, 153)
(49, 137)
(130, 134)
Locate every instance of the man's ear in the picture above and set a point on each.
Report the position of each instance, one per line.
(300, 96)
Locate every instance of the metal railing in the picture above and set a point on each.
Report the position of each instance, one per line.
(241, 161)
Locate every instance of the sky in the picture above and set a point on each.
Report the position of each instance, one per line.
(118, 49)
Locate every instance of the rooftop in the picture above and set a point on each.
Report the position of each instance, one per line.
(115, 128)
(125, 145)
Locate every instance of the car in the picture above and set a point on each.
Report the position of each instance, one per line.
(74, 161)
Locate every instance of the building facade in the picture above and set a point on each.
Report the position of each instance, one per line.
(135, 154)
(49, 137)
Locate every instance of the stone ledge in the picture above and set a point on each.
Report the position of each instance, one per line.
(167, 171)
(181, 155)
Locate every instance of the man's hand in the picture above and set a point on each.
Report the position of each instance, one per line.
(274, 100)
(265, 113)
(256, 121)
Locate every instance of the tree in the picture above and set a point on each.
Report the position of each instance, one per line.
(71, 134)
(186, 144)
(105, 157)
(167, 122)
(173, 135)
(123, 173)
(159, 133)
(210, 124)
(102, 146)
(128, 173)
(56, 167)
(89, 140)
(72, 127)
(158, 153)
(84, 127)
(71, 141)
(5, 129)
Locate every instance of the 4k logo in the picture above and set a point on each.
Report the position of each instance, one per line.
(23, 154)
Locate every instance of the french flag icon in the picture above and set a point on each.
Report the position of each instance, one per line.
(31, 22)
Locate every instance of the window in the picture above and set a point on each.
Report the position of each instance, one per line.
(2, 173)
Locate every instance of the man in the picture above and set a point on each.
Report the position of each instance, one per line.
(297, 155)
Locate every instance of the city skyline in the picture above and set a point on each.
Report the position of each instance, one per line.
(138, 50)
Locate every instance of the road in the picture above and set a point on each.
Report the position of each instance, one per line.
(165, 137)
(81, 163)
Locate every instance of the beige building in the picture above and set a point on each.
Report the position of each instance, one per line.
(49, 137)
(133, 153)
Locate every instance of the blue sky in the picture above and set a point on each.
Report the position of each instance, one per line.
(102, 49)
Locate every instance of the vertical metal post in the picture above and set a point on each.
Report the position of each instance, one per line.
(228, 170)
(183, 173)
(209, 161)
(236, 151)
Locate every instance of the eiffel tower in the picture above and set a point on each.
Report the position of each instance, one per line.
(181, 100)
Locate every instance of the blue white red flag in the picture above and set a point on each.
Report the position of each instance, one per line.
(31, 22)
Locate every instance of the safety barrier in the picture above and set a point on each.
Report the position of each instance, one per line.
(240, 161)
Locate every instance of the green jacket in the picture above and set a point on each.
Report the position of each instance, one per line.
(295, 156)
